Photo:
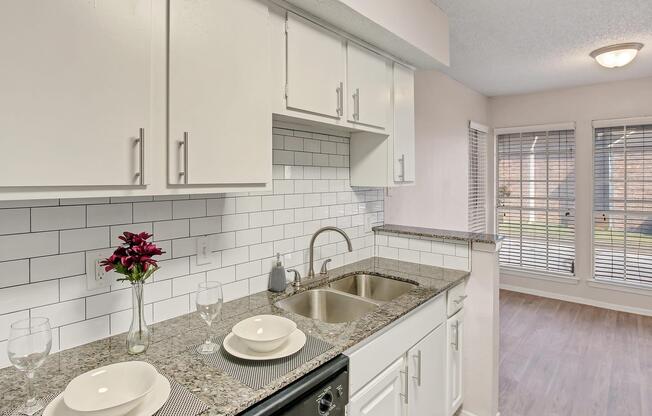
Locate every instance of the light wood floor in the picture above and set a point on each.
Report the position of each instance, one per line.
(565, 359)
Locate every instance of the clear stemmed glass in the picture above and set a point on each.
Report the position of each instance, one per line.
(209, 305)
(30, 341)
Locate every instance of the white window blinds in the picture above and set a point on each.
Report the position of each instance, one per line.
(535, 196)
(622, 203)
(477, 178)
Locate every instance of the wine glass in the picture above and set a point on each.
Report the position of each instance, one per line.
(209, 305)
(30, 341)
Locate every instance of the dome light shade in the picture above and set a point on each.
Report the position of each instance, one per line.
(615, 56)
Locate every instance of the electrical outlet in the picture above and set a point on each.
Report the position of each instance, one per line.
(96, 276)
(204, 252)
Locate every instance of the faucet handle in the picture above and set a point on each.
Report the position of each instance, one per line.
(296, 282)
(324, 266)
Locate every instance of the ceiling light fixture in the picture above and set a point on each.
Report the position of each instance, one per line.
(615, 56)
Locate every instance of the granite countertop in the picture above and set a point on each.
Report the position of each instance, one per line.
(172, 339)
(437, 233)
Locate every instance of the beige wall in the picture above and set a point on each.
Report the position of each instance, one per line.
(439, 198)
(581, 105)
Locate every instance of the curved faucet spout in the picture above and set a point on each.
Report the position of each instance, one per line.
(311, 272)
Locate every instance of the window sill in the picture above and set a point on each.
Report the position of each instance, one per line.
(534, 274)
(622, 287)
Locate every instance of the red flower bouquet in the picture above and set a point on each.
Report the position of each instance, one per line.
(134, 258)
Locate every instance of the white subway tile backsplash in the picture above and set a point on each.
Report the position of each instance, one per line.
(247, 204)
(75, 287)
(167, 230)
(187, 284)
(431, 259)
(408, 255)
(62, 313)
(58, 218)
(192, 208)
(9, 318)
(84, 239)
(16, 298)
(152, 211)
(259, 251)
(284, 216)
(172, 268)
(223, 275)
(235, 290)
(14, 273)
(282, 186)
(247, 270)
(205, 226)
(171, 308)
(247, 237)
(272, 202)
(55, 267)
(109, 214)
(222, 241)
(294, 201)
(13, 221)
(118, 230)
(328, 147)
(272, 233)
(83, 332)
(107, 303)
(157, 291)
(22, 246)
(220, 206)
(261, 219)
(235, 256)
(235, 222)
(420, 245)
(121, 321)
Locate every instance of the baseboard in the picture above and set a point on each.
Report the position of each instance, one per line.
(574, 299)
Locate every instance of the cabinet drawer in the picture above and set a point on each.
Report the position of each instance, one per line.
(456, 297)
(372, 356)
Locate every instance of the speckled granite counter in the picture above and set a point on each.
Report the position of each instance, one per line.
(437, 233)
(171, 341)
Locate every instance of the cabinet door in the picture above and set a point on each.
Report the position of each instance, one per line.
(219, 109)
(427, 375)
(404, 154)
(74, 82)
(368, 87)
(454, 390)
(383, 396)
(315, 68)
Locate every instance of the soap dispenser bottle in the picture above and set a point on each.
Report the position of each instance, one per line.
(277, 281)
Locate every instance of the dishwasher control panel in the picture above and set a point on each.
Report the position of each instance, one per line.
(329, 399)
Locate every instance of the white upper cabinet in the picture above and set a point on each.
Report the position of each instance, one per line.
(369, 87)
(219, 110)
(403, 135)
(315, 69)
(75, 92)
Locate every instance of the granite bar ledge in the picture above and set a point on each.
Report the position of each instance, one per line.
(438, 233)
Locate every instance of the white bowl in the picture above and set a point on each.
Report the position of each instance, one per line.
(111, 390)
(264, 333)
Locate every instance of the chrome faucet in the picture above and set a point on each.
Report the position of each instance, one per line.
(311, 272)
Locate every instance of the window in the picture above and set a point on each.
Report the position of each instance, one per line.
(477, 178)
(535, 197)
(622, 202)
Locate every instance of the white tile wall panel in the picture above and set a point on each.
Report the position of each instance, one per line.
(303, 214)
(184, 247)
(156, 291)
(292, 172)
(303, 158)
(16, 298)
(431, 259)
(220, 206)
(284, 246)
(107, 303)
(235, 256)
(408, 255)
(62, 313)
(84, 332)
(247, 237)
(388, 252)
(272, 233)
(235, 222)
(13, 221)
(206, 225)
(312, 146)
(171, 308)
(320, 185)
(187, 284)
(84, 239)
(189, 209)
(292, 230)
(235, 290)
(247, 270)
(282, 157)
(169, 269)
(214, 263)
(284, 216)
(121, 321)
(278, 141)
(328, 147)
(123, 199)
(166, 246)
(258, 284)
(29, 203)
(311, 200)
(152, 211)
(294, 201)
(282, 186)
(109, 214)
(167, 230)
(55, 267)
(443, 248)
(259, 251)
(7, 319)
(453, 262)
(329, 198)
(272, 202)
(75, 287)
(118, 230)
(222, 241)
(58, 218)
(14, 273)
(222, 275)
(22, 246)
(261, 219)
(420, 245)
(398, 242)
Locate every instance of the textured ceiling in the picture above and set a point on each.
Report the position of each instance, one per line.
(501, 47)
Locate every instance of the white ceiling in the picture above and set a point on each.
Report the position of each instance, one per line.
(501, 47)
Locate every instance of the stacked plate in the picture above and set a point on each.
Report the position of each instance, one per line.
(264, 337)
(132, 388)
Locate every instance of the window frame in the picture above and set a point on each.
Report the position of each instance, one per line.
(483, 130)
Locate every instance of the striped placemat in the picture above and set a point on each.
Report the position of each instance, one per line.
(257, 374)
(180, 403)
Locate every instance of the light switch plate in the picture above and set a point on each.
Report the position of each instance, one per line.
(204, 252)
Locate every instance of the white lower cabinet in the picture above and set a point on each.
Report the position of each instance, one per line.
(426, 364)
(383, 396)
(454, 350)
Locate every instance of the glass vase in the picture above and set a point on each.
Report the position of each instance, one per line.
(138, 336)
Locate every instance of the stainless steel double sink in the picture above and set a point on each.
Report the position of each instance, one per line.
(346, 299)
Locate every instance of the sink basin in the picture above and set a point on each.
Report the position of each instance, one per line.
(368, 286)
(327, 305)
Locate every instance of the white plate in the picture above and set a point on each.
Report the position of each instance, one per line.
(234, 346)
(150, 405)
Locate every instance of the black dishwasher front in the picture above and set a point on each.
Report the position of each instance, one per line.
(322, 392)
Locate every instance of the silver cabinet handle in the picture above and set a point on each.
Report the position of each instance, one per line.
(340, 99)
(418, 376)
(407, 387)
(356, 104)
(184, 173)
(140, 141)
(401, 160)
(456, 343)
(460, 299)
